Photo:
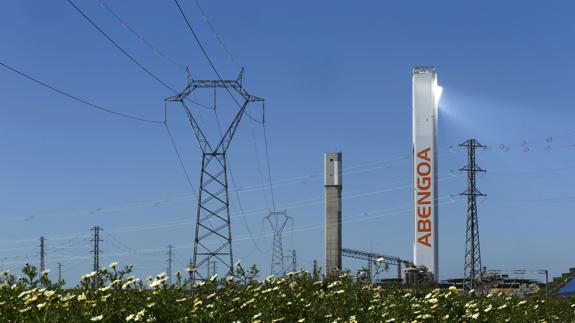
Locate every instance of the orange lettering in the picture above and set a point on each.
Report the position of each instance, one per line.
(423, 226)
(424, 154)
(423, 211)
(427, 170)
(424, 197)
(425, 240)
(424, 184)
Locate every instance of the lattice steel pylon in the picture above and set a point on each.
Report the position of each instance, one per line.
(278, 221)
(213, 236)
(96, 250)
(42, 255)
(472, 269)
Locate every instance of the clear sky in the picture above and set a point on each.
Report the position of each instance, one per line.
(336, 75)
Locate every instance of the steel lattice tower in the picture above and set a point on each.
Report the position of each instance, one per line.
(59, 272)
(42, 255)
(293, 261)
(96, 251)
(213, 235)
(169, 261)
(472, 270)
(278, 221)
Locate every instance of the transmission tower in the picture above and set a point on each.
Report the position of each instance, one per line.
(472, 270)
(314, 267)
(96, 251)
(293, 261)
(59, 272)
(42, 255)
(170, 254)
(213, 235)
(278, 221)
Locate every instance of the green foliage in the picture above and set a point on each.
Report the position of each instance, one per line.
(113, 295)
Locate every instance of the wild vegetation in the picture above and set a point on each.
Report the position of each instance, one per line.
(114, 295)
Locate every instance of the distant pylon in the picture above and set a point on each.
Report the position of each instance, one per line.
(314, 267)
(96, 251)
(42, 255)
(278, 221)
(170, 254)
(59, 272)
(293, 261)
(472, 270)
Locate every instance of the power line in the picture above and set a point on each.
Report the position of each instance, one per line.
(183, 166)
(208, 57)
(126, 53)
(68, 95)
(262, 180)
(201, 47)
(119, 47)
(295, 204)
(216, 34)
(269, 168)
(139, 36)
(357, 169)
(359, 217)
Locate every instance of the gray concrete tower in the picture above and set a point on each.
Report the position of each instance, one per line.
(333, 186)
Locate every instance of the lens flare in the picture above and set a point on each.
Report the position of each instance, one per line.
(437, 90)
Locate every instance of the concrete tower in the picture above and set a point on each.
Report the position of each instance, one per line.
(333, 186)
(426, 95)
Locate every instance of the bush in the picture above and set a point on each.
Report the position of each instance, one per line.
(113, 295)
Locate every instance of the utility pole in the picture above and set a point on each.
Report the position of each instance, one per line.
(213, 235)
(472, 269)
(96, 251)
(42, 255)
(314, 267)
(546, 273)
(278, 221)
(169, 261)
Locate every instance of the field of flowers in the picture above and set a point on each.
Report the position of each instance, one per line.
(113, 295)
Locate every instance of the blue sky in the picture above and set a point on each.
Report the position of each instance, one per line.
(335, 76)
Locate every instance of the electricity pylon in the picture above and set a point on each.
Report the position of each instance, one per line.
(42, 255)
(472, 270)
(169, 261)
(278, 221)
(96, 249)
(213, 235)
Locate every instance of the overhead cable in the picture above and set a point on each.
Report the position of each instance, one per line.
(73, 97)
